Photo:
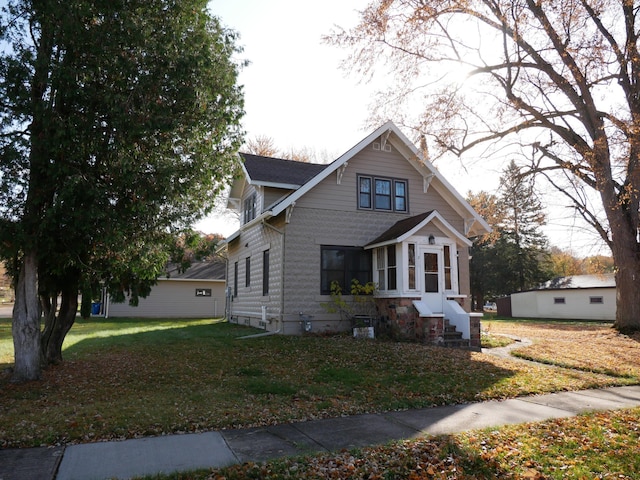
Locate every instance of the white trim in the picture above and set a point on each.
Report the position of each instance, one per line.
(436, 218)
(415, 158)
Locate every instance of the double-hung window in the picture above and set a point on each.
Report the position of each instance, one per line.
(385, 194)
(250, 208)
(411, 265)
(386, 268)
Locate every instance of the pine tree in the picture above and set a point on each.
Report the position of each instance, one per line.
(523, 246)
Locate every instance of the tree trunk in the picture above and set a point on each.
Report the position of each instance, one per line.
(627, 291)
(26, 322)
(58, 325)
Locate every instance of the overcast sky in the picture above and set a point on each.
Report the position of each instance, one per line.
(296, 94)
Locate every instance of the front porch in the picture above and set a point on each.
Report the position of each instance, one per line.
(404, 320)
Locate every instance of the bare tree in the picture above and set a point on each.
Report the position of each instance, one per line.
(557, 82)
(266, 147)
(261, 145)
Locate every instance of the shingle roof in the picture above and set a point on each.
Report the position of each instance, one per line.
(211, 270)
(280, 171)
(400, 228)
(603, 280)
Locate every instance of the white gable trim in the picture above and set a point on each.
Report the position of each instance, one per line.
(437, 220)
(413, 155)
(332, 167)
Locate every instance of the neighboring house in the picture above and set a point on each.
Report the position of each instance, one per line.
(379, 213)
(198, 292)
(583, 297)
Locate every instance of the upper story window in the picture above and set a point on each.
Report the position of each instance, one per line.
(249, 208)
(386, 194)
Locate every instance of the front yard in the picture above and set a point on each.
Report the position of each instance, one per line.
(126, 378)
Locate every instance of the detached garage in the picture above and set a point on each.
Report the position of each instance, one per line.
(582, 297)
(199, 292)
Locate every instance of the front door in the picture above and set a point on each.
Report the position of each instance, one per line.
(432, 278)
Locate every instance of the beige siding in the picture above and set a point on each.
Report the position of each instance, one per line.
(272, 195)
(175, 298)
(246, 307)
(342, 197)
(326, 215)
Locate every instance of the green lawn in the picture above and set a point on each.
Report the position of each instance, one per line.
(127, 377)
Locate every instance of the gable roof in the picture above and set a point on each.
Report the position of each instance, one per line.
(403, 229)
(604, 280)
(211, 270)
(277, 172)
(474, 223)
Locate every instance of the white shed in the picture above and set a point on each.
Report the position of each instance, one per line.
(198, 292)
(580, 297)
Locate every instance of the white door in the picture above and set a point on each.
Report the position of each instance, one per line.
(432, 281)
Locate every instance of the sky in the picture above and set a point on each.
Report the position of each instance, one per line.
(296, 94)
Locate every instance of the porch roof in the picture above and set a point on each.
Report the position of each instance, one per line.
(407, 227)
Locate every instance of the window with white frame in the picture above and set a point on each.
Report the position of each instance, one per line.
(392, 268)
(411, 265)
(381, 267)
(596, 300)
(386, 268)
(250, 208)
(448, 282)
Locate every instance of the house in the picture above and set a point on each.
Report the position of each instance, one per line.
(379, 213)
(198, 292)
(585, 297)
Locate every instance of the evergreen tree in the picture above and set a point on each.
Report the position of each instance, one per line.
(119, 124)
(524, 245)
(514, 257)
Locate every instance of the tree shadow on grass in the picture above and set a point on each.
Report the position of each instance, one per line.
(201, 377)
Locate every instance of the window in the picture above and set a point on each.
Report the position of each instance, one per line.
(596, 300)
(250, 208)
(392, 280)
(431, 273)
(385, 194)
(365, 192)
(265, 273)
(343, 264)
(247, 272)
(447, 268)
(400, 195)
(381, 266)
(411, 267)
(235, 279)
(559, 300)
(386, 268)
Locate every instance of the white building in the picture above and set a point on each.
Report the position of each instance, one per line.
(577, 297)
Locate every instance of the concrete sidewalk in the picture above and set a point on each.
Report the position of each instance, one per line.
(171, 453)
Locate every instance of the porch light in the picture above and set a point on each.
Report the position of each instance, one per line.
(432, 240)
